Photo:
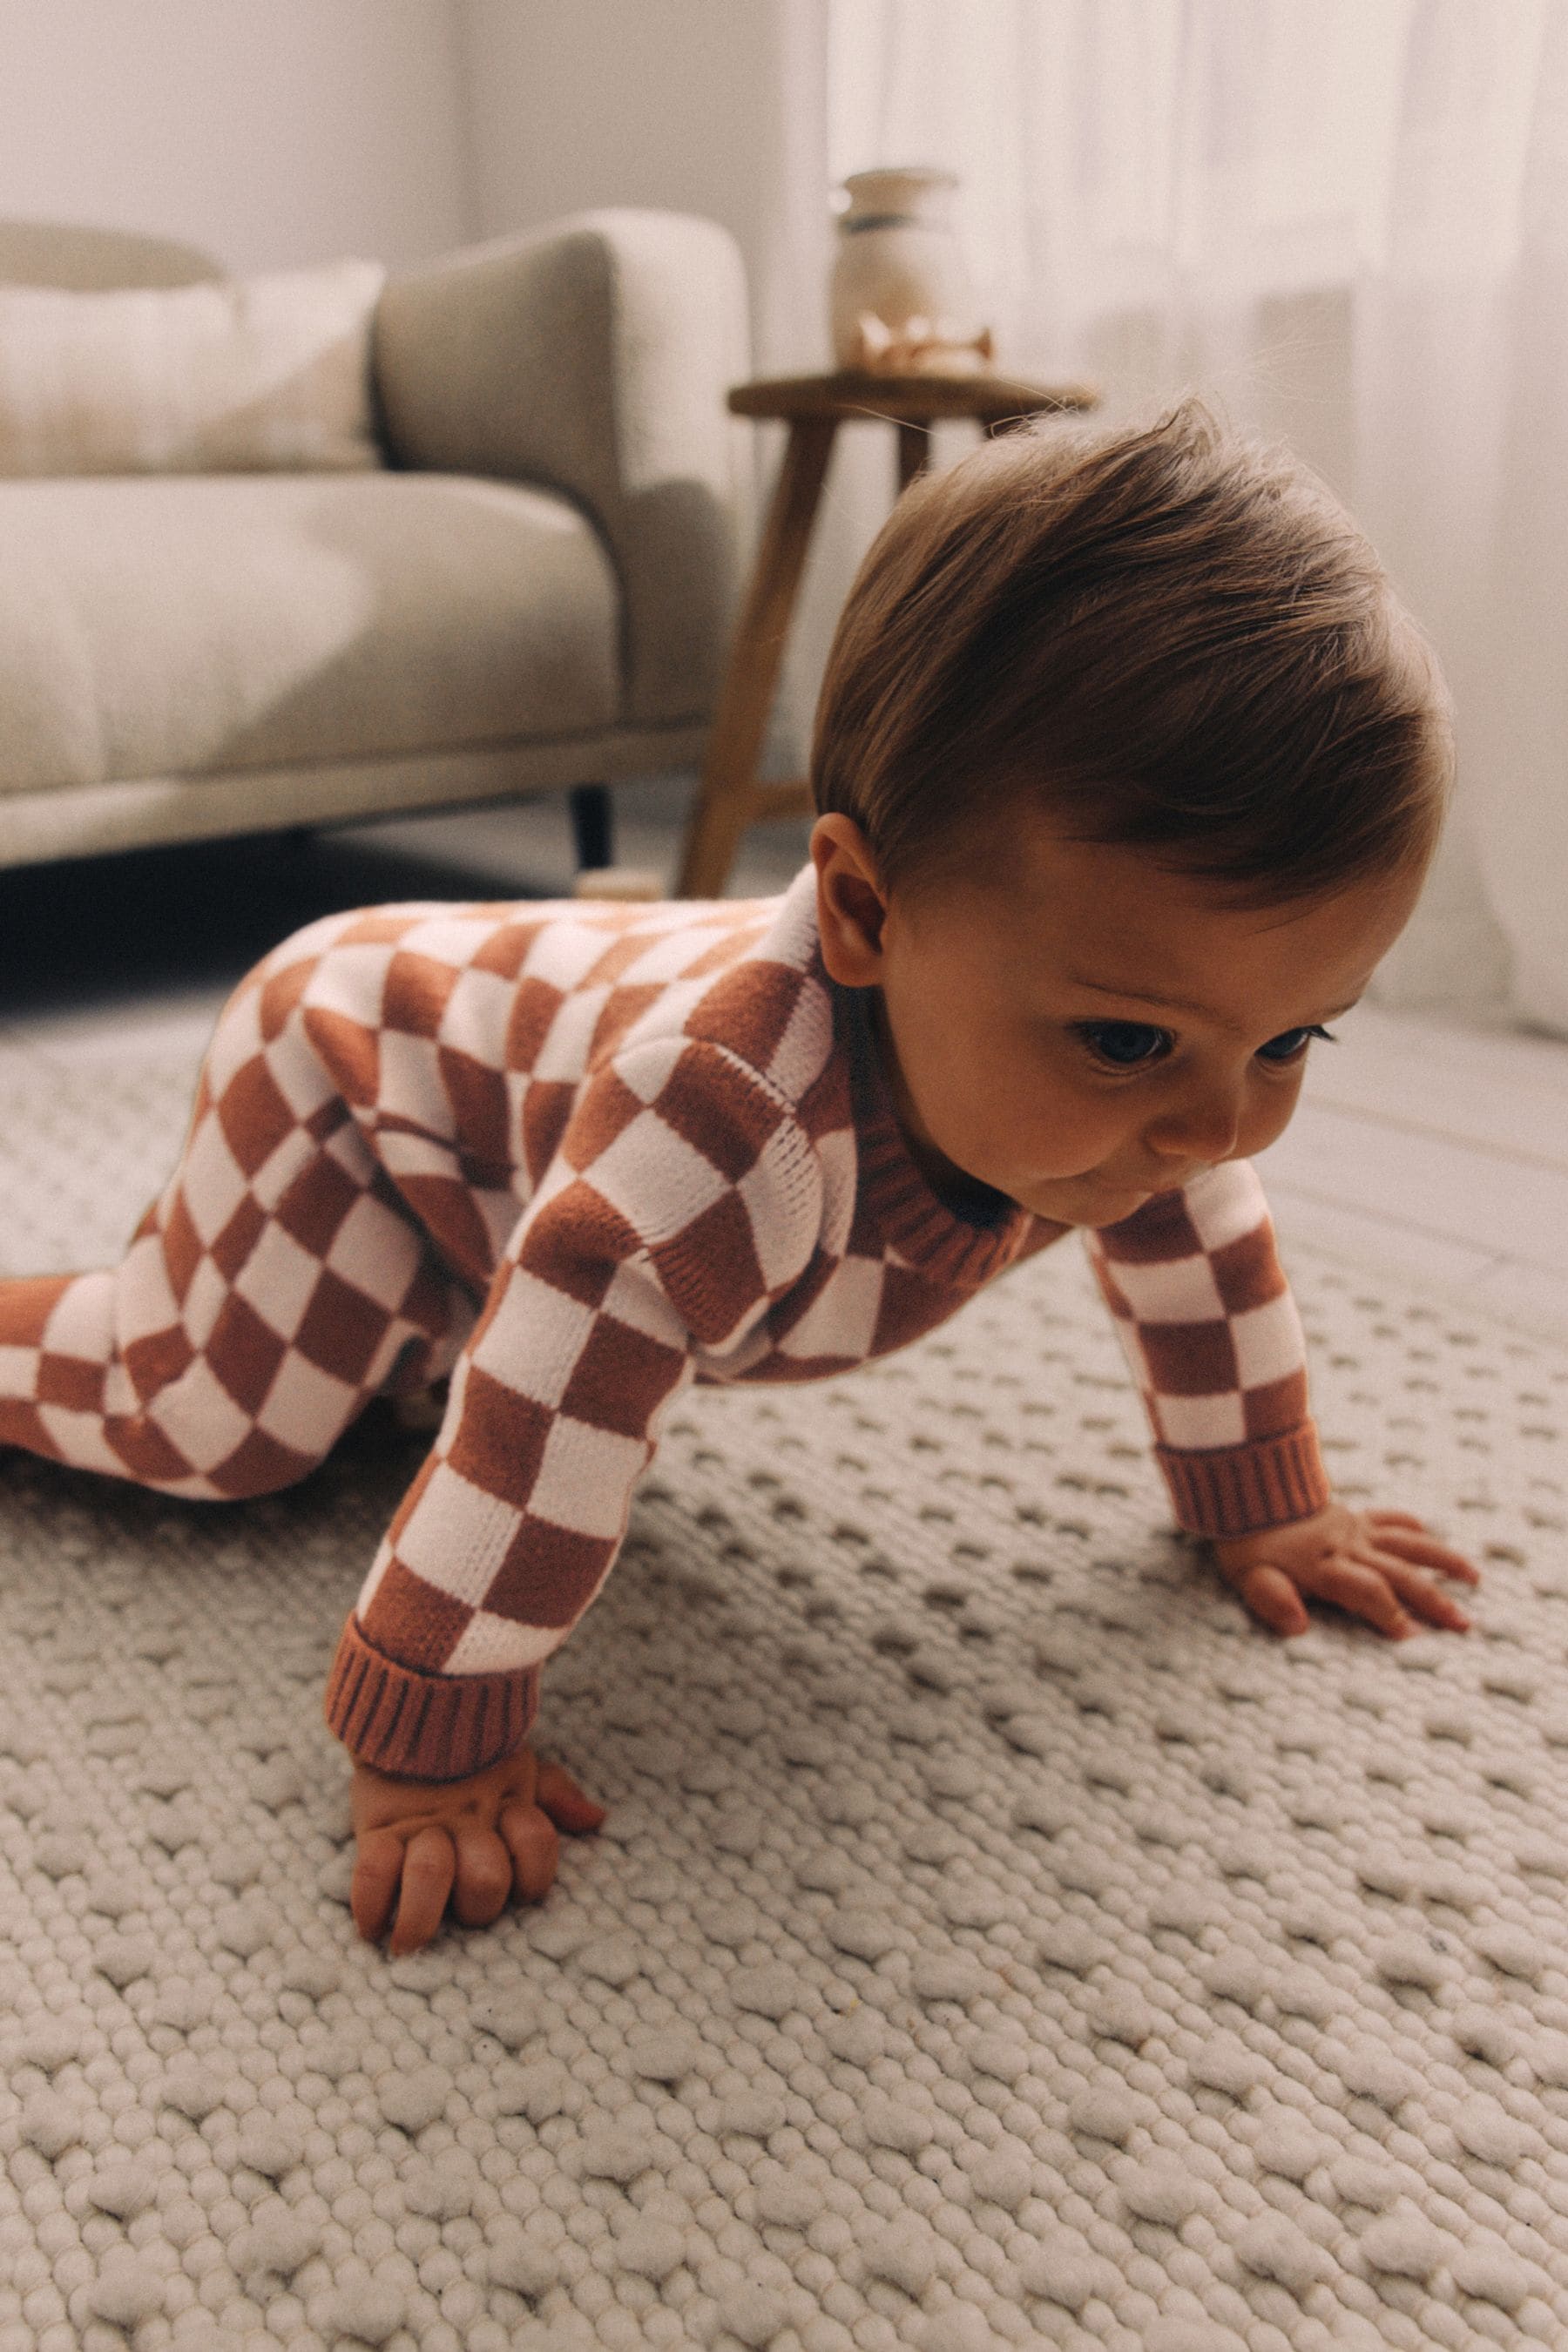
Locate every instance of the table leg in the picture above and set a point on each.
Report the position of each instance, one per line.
(593, 827)
(724, 796)
(915, 452)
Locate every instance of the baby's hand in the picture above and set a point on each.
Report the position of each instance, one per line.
(1365, 1561)
(482, 1835)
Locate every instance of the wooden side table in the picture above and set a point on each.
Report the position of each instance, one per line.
(730, 797)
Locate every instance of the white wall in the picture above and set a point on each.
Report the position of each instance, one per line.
(700, 106)
(275, 131)
(270, 131)
(577, 103)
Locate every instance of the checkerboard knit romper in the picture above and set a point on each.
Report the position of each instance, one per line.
(576, 1156)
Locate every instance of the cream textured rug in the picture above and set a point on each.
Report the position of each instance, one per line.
(995, 1937)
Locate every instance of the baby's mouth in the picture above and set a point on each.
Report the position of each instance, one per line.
(1165, 1181)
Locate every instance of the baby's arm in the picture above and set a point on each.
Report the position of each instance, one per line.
(1208, 1322)
(685, 1195)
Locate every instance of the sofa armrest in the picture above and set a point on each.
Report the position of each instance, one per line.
(593, 357)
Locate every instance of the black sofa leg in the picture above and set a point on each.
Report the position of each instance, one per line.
(593, 826)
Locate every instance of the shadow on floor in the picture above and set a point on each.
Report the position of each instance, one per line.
(198, 915)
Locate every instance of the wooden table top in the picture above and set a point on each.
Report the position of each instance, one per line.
(916, 397)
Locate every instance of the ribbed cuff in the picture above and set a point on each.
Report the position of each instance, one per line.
(424, 1726)
(1237, 1490)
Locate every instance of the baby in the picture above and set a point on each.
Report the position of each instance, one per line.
(1129, 765)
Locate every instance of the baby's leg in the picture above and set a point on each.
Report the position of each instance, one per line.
(276, 1284)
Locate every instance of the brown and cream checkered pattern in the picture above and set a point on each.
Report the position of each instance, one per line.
(1210, 1330)
(576, 1156)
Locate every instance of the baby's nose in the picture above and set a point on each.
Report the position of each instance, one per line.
(1205, 1128)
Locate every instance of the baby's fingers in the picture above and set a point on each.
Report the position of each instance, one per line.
(529, 1831)
(535, 1850)
(1423, 1600)
(376, 1873)
(1358, 1587)
(484, 1876)
(422, 1867)
(1390, 1527)
(558, 1794)
(1273, 1600)
(428, 1868)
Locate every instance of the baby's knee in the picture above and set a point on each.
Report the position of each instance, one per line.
(275, 984)
(192, 1442)
(262, 1035)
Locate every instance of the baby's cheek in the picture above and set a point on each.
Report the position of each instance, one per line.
(1268, 1119)
(1063, 1135)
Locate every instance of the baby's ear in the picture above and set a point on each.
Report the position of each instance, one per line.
(851, 904)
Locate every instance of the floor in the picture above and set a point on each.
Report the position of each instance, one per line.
(1438, 1149)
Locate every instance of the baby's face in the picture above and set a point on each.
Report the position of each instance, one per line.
(1081, 1030)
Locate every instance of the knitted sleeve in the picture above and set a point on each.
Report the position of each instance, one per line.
(684, 1197)
(1208, 1325)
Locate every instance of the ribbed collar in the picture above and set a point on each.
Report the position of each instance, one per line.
(958, 1250)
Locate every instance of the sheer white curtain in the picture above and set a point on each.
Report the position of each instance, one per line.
(1346, 222)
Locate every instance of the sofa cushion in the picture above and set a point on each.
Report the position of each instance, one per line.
(183, 625)
(251, 374)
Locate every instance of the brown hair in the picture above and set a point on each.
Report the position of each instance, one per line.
(1165, 635)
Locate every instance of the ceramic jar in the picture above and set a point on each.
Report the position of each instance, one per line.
(901, 295)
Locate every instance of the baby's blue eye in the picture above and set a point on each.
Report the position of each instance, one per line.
(1291, 1043)
(1126, 1043)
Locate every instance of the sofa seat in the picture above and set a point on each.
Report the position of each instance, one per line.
(176, 628)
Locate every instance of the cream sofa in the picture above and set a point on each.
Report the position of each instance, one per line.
(534, 592)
